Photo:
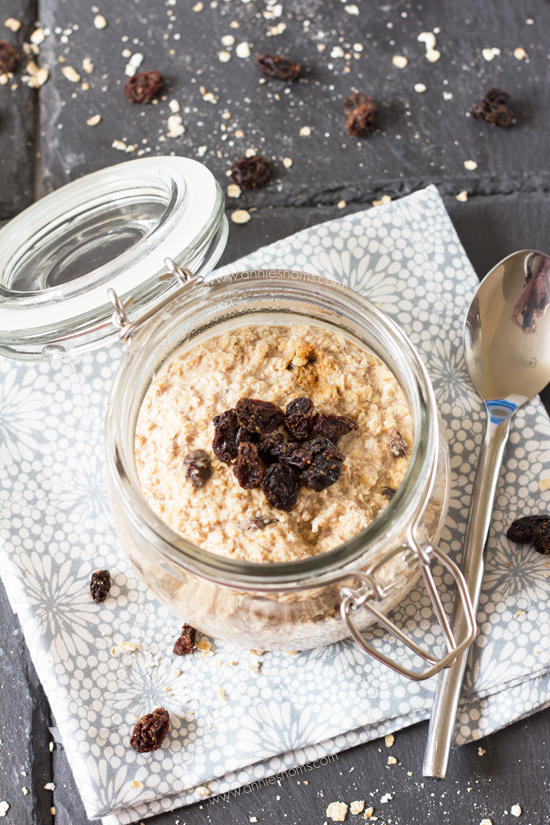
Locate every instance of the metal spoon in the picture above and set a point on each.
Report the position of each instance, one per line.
(507, 353)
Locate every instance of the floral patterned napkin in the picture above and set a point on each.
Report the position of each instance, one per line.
(104, 665)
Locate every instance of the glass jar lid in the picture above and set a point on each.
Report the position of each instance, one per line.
(110, 229)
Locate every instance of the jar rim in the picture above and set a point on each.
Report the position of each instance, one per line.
(399, 517)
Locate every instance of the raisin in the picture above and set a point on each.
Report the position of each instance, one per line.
(150, 731)
(270, 447)
(323, 445)
(361, 112)
(243, 435)
(257, 523)
(533, 530)
(224, 443)
(100, 585)
(248, 468)
(296, 456)
(541, 537)
(493, 108)
(323, 472)
(197, 468)
(9, 58)
(398, 445)
(278, 68)
(251, 173)
(332, 426)
(143, 86)
(298, 418)
(259, 416)
(388, 492)
(281, 486)
(186, 642)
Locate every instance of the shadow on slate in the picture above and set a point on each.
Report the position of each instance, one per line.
(18, 110)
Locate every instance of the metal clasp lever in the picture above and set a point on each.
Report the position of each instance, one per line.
(120, 317)
(370, 592)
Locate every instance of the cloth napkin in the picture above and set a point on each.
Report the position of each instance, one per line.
(104, 665)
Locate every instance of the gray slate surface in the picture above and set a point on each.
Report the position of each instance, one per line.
(18, 112)
(509, 208)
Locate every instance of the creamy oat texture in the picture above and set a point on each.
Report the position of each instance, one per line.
(278, 364)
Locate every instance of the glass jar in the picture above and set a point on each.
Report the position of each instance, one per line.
(106, 239)
(293, 605)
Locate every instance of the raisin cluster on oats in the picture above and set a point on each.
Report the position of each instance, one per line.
(281, 466)
(310, 381)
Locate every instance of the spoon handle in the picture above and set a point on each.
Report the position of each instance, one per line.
(447, 694)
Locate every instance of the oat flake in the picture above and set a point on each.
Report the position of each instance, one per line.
(399, 61)
(14, 25)
(99, 21)
(389, 739)
(357, 807)
(462, 196)
(71, 74)
(515, 810)
(470, 165)
(233, 191)
(337, 811)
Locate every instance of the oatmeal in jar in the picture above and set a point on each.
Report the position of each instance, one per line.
(272, 443)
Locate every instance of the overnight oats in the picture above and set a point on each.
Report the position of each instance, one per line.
(272, 443)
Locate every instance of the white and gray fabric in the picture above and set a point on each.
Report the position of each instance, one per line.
(104, 665)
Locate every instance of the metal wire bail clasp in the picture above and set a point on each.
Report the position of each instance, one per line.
(120, 318)
(370, 592)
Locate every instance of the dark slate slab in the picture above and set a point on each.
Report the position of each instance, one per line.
(420, 138)
(18, 104)
(25, 759)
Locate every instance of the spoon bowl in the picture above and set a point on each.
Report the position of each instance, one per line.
(507, 353)
(507, 331)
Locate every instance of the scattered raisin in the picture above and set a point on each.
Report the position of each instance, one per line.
(278, 68)
(388, 492)
(248, 468)
(281, 486)
(533, 530)
(226, 430)
(251, 173)
(541, 537)
(150, 731)
(332, 426)
(361, 112)
(100, 585)
(398, 445)
(259, 416)
(9, 58)
(257, 523)
(298, 418)
(186, 642)
(197, 468)
(143, 86)
(323, 472)
(493, 108)
(270, 447)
